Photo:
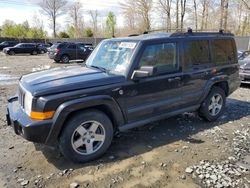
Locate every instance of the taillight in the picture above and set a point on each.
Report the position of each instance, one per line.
(57, 50)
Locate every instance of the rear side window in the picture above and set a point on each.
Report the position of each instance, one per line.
(163, 56)
(223, 51)
(196, 53)
(72, 46)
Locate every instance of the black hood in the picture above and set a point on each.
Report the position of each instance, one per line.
(66, 79)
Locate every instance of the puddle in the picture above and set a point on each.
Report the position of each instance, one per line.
(6, 79)
(4, 68)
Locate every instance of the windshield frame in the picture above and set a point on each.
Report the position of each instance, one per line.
(131, 59)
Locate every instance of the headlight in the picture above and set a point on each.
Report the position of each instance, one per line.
(28, 102)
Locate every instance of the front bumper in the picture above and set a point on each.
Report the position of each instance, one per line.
(245, 78)
(31, 130)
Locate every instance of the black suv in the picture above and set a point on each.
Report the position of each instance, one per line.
(7, 44)
(125, 83)
(64, 52)
(22, 48)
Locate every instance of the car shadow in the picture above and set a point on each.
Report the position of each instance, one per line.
(144, 139)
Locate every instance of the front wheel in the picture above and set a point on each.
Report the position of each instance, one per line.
(11, 52)
(214, 104)
(86, 136)
(34, 52)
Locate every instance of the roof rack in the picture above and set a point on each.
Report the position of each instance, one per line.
(202, 33)
(133, 35)
(179, 32)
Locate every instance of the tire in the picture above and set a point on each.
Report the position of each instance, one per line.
(34, 53)
(57, 61)
(11, 52)
(214, 104)
(78, 139)
(65, 59)
(42, 51)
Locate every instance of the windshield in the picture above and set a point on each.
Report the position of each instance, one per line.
(4, 43)
(18, 45)
(112, 56)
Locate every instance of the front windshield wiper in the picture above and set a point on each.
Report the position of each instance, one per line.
(100, 68)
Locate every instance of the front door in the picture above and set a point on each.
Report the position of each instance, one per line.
(157, 94)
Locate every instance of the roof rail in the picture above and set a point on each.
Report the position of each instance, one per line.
(133, 35)
(199, 33)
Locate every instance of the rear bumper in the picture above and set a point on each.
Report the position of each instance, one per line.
(54, 56)
(31, 130)
(245, 78)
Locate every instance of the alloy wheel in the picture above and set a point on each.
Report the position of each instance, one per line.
(88, 137)
(215, 104)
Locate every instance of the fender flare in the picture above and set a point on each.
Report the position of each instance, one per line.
(68, 107)
(211, 82)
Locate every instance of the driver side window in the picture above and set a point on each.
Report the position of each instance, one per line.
(162, 56)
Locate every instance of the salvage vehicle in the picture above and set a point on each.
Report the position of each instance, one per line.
(125, 83)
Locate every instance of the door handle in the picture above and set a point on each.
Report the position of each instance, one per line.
(174, 79)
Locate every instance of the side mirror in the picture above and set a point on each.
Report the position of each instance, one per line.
(143, 72)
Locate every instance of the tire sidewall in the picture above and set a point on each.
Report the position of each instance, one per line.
(34, 53)
(65, 138)
(11, 52)
(204, 108)
(62, 59)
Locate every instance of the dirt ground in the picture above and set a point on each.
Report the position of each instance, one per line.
(180, 152)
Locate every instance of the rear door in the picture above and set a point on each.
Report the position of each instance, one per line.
(197, 67)
(71, 50)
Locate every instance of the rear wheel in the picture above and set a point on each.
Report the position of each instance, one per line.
(86, 136)
(65, 59)
(11, 52)
(214, 104)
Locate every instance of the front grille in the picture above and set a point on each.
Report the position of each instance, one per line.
(21, 95)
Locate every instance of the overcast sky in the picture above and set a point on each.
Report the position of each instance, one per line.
(21, 10)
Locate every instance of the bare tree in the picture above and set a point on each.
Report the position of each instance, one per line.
(129, 13)
(225, 17)
(144, 7)
(183, 12)
(177, 14)
(204, 14)
(94, 20)
(165, 7)
(195, 15)
(75, 14)
(246, 4)
(53, 9)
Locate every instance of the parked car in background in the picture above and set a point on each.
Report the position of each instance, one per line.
(244, 62)
(88, 46)
(22, 48)
(242, 54)
(7, 44)
(43, 48)
(64, 52)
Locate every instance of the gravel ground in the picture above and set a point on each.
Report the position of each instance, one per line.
(183, 151)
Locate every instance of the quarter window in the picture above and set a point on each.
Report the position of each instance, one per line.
(162, 56)
(223, 51)
(196, 53)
